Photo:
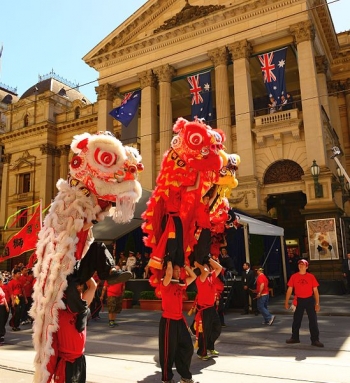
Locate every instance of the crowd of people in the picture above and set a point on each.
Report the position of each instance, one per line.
(16, 290)
(175, 343)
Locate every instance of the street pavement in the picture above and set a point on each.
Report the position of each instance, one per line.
(250, 352)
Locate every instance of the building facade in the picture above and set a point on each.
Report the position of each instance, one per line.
(155, 50)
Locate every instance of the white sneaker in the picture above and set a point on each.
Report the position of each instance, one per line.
(272, 320)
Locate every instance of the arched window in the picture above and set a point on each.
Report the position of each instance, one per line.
(26, 120)
(283, 171)
(77, 112)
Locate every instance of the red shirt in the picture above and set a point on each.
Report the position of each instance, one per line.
(15, 287)
(202, 216)
(172, 297)
(27, 283)
(173, 203)
(115, 290)
(303, 284)
(206, 290)
(262, 279)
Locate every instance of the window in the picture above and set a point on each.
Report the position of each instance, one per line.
(22, 216)
(26, 120)
(77, 112)
(24, 183)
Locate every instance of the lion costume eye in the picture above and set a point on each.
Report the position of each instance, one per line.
(195, 139)
(105, 158)
(218, 137)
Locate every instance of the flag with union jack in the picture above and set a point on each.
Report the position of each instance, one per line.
(128, 108)
(201, 93)
(273, 70)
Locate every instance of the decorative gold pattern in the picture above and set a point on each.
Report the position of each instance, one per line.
(105, 92)
(165, 73)
(48, 149)
(218, 56)
(321, 64)
(303, 31)
(283, 171)
(147, 78)
(242, 196)
(240, 50)
(187, 14)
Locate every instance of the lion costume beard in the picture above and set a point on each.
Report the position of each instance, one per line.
(102, 169)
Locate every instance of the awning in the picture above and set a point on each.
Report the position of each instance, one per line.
(259, 227)
(107, 230)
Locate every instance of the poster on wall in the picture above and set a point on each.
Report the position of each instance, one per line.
(322, 238)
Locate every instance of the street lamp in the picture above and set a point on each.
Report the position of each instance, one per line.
(315, 171)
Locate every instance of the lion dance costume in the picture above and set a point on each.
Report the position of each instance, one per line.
(102, 171)
(195, 161)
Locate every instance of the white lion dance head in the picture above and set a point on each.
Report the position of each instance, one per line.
(103, 172)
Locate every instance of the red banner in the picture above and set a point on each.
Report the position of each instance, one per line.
(26, 239)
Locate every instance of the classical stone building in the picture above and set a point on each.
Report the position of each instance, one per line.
(155, 50)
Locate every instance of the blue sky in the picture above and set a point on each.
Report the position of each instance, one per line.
(43, 35)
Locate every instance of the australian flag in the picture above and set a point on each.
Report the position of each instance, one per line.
(128, 108)
(200, 90)
(273, 70)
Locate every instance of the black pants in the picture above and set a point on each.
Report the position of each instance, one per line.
(202, 248)
(17, 312)
(4, 315)
(249, 293)
(28, 305)
(174, 246)
(211, 330)
(97, 258)
(175, 346)
(348, 282)
(307, 304)
(76, 371)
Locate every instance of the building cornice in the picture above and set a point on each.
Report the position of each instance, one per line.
(26, 132)
(114, 54)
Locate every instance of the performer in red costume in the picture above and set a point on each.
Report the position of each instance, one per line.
(207, 318)
(67, 364)
(175, 344)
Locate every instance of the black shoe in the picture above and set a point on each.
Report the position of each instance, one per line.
(16, 329)
(317, 343)
(244, 313)
(117, 276)
(291, 341)
(2, 340)
(256, 313)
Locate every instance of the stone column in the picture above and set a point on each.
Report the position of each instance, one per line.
(219, 58)
(347, 99)
(64, 166)
(149, 128)
(105, 97)
(244, 109)
(6, 158)
(165, 74)
(47, 180)
(314, 138)
(322, 68)
(333, 88)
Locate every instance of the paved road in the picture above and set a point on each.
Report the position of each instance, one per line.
(249, 351)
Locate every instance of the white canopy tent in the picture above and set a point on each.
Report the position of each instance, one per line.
(254, 226)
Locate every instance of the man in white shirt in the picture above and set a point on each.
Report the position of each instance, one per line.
(131, 261)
